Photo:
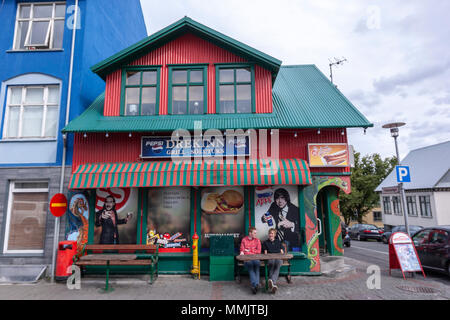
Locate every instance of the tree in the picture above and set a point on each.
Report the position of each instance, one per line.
(367, 174)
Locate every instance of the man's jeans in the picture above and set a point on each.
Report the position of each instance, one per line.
(274, 269)
(253, 271)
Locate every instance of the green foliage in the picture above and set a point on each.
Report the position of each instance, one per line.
(367, 174)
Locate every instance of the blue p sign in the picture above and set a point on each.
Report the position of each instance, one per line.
(403, 174)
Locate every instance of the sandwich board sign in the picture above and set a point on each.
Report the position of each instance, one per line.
(403, 254)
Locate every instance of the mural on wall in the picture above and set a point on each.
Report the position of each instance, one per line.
(277, 207)
(78, 220)
(116, 216)
(222, 213)
(311, 224)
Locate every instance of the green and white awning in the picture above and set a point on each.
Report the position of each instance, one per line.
(190, 173)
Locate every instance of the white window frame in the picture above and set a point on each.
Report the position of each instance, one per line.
(12, 190)
(48, 45)
(22, 105)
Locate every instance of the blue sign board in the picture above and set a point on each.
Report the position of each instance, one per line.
(166, 147)
(403, 174)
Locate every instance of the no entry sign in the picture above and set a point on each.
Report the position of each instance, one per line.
(58, 205)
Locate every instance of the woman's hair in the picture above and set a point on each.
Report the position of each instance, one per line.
(114, 200)
(282, 193)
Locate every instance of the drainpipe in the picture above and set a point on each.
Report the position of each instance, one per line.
(64, 136)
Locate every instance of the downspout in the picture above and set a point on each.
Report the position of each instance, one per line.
(64, 136)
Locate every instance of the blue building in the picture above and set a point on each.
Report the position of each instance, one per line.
(46, 51)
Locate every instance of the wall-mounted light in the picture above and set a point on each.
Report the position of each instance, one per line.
(271, 132)
(365, 131)
(318, 131)
(295, 135)
(85, 135)
(343, 132)
(130, 135)
(107, 135)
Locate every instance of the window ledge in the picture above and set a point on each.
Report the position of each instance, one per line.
(6, 140)
(37, 50)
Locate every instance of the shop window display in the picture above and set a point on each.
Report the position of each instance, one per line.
(277, 207)
(168, 218)
(116, 216)
(222, 213)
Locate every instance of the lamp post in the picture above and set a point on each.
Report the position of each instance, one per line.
(394, 133)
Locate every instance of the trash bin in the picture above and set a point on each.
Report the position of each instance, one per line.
(66, 251)
(221, 259)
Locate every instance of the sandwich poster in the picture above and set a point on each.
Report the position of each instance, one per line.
(222, 212)
(328, 155)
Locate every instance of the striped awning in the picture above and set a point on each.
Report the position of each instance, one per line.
(169, 173)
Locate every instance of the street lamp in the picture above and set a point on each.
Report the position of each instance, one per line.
(394, 133)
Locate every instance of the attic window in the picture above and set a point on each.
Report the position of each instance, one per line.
(140, 92)
(39, 26)
(235, 89)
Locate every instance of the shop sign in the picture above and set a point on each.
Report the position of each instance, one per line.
(167, 147)
(328, 155)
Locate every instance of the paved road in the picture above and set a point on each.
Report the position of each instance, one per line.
(378, 253)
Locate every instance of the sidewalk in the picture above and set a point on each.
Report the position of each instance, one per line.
(350, 285)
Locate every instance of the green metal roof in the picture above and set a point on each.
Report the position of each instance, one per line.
(174, 30)
(303, 97)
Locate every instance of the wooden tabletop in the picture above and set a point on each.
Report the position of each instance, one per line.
(106, 257)
(268, 256)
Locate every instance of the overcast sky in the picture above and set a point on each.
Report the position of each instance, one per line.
(398, 57)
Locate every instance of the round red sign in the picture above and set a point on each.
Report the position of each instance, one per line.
(58, 205)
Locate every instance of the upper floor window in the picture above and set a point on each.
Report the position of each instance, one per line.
(235, 89)
(39, 26)
(141, 92)
(32, 111)
(187, 90)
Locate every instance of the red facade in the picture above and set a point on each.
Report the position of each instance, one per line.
(120, 147)
(189, 49)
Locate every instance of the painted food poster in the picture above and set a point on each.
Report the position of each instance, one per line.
(277, 207)
(222, 213)
(328, 155)
(168, 218)
(116, 216)
(78, 220)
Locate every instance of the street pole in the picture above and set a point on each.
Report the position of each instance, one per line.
(394, 133)
(402, 192)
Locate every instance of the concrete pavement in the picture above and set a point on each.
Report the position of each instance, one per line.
(351, 284)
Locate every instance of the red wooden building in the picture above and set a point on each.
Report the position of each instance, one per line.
(180, 102)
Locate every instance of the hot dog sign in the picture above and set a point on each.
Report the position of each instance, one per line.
(328, 155)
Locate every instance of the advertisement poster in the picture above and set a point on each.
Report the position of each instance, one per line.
(407, 257)
(116, 216)
(328, 155)
(277, 207)
(78, 219)
(222, 213)
(168, 218)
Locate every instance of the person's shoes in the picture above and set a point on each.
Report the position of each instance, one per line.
(274, 289)
(270, 284)
(255, 289)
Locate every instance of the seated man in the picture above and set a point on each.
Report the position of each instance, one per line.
(273, 245)
(251, 245)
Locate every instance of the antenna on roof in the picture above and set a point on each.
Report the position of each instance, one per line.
(335, 63)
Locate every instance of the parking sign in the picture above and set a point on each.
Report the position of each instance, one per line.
(403, 174)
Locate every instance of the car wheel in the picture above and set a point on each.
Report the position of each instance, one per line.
(448, 268)
(358, 237)
(384, 239)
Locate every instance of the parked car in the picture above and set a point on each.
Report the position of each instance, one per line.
(433, 247)
(412, 230)
(345, 236)
(365, 232)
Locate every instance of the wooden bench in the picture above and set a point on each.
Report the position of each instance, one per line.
(119, 255)
(286, 262)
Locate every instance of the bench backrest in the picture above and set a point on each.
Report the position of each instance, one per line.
(122, 248)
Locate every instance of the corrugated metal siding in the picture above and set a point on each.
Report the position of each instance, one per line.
(112, 93)
(119, 147)
(190, 49)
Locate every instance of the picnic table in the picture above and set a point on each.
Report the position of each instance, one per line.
(265, 258)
